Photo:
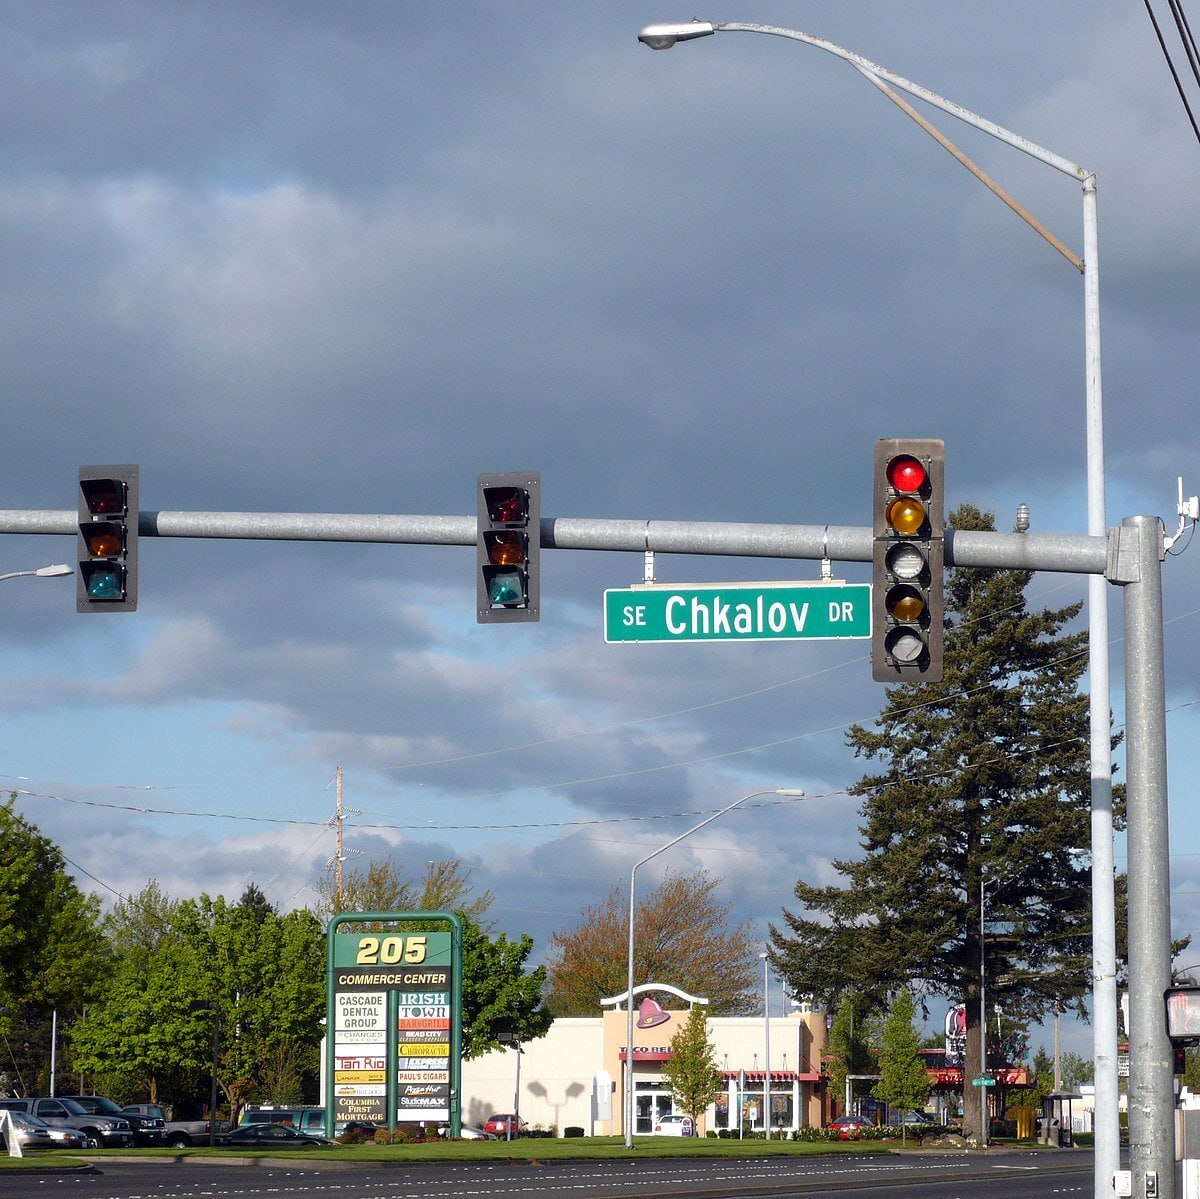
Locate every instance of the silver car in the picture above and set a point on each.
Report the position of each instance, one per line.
(33, 1133)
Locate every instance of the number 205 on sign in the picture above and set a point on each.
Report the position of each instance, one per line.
(390, 951)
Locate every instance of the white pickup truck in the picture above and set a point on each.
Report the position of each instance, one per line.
(180, 1133)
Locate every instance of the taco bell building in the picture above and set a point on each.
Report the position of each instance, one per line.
(580, 1059)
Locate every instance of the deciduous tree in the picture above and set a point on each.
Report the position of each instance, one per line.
(499, 994)
(903, 1079)
(691, 1072)
(52, 954)
(681, 936)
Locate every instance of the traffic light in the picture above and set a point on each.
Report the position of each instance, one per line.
(907, 559)
(108, 538)
(508, 547)
(1183, 1014)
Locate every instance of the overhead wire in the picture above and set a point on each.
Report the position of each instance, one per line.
(1184, 30)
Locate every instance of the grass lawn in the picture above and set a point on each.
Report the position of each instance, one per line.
(522, 1149)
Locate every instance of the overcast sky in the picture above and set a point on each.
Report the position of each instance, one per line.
(342, 257)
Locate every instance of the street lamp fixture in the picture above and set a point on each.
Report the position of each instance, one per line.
(1104, 954)
(663, 37)
(766, 961)
(42, 572)
(629, 1096)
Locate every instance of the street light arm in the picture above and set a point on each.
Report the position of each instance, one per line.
(629, 1096)
(873, 69)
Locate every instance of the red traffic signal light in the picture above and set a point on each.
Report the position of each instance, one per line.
(907, 560)
(107, 539)
(508, 547)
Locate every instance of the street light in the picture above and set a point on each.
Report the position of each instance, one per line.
(514, 1039)
(629, 1098)
(1104, 944)
(42, 572)
(766, 961)
(984, 1101)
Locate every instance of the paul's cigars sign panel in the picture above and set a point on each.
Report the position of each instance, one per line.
(395, 1017)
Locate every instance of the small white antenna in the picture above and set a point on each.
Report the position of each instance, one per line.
(1189, 514)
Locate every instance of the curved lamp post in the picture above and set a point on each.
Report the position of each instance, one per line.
(629, 1096)
(42, 572)
(1104, 953)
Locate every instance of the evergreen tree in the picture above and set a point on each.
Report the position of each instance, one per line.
(982, 795)
(904, 1081)
(691, 1072)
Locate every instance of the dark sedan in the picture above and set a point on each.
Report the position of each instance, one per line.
(269, 1136)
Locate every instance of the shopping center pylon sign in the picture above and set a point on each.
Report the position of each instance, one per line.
(393, 1011)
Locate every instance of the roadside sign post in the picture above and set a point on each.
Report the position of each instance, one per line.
(393, 1039)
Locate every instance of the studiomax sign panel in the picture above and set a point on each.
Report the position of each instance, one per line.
(394, 1018)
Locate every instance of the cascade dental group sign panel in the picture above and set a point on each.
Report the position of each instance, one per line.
(738, 612)
(378, 979)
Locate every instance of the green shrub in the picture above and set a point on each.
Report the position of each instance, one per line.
(572, 1130)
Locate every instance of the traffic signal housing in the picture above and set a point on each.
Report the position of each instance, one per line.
(106, 580)
(508, 547)
(907, 560)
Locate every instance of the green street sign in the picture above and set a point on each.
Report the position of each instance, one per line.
(738, 612)
(983, 1082)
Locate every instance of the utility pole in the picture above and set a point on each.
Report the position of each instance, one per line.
(338, 855)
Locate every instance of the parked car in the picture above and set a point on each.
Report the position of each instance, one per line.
(468, 1132)
(33, 1133)
(100, 1131)
(269, 1136)
(913, 1119)
(675, 1126)
(850, 1128)
(147, 1129)
(179, 1134)
(499, 1124)
(304, 1118)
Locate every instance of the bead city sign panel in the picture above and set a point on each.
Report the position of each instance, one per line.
(395, 1015)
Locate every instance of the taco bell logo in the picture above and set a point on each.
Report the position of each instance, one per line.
(651, 1015)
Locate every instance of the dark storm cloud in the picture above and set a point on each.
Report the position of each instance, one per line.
(312, 257)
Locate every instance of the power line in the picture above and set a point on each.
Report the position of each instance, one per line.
(1189, 45)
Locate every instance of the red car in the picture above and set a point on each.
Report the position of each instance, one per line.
(850, 1128)
(498, 1125)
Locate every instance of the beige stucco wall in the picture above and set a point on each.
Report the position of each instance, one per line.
(557, 1070)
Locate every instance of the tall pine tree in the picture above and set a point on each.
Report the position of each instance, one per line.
(982, 794)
